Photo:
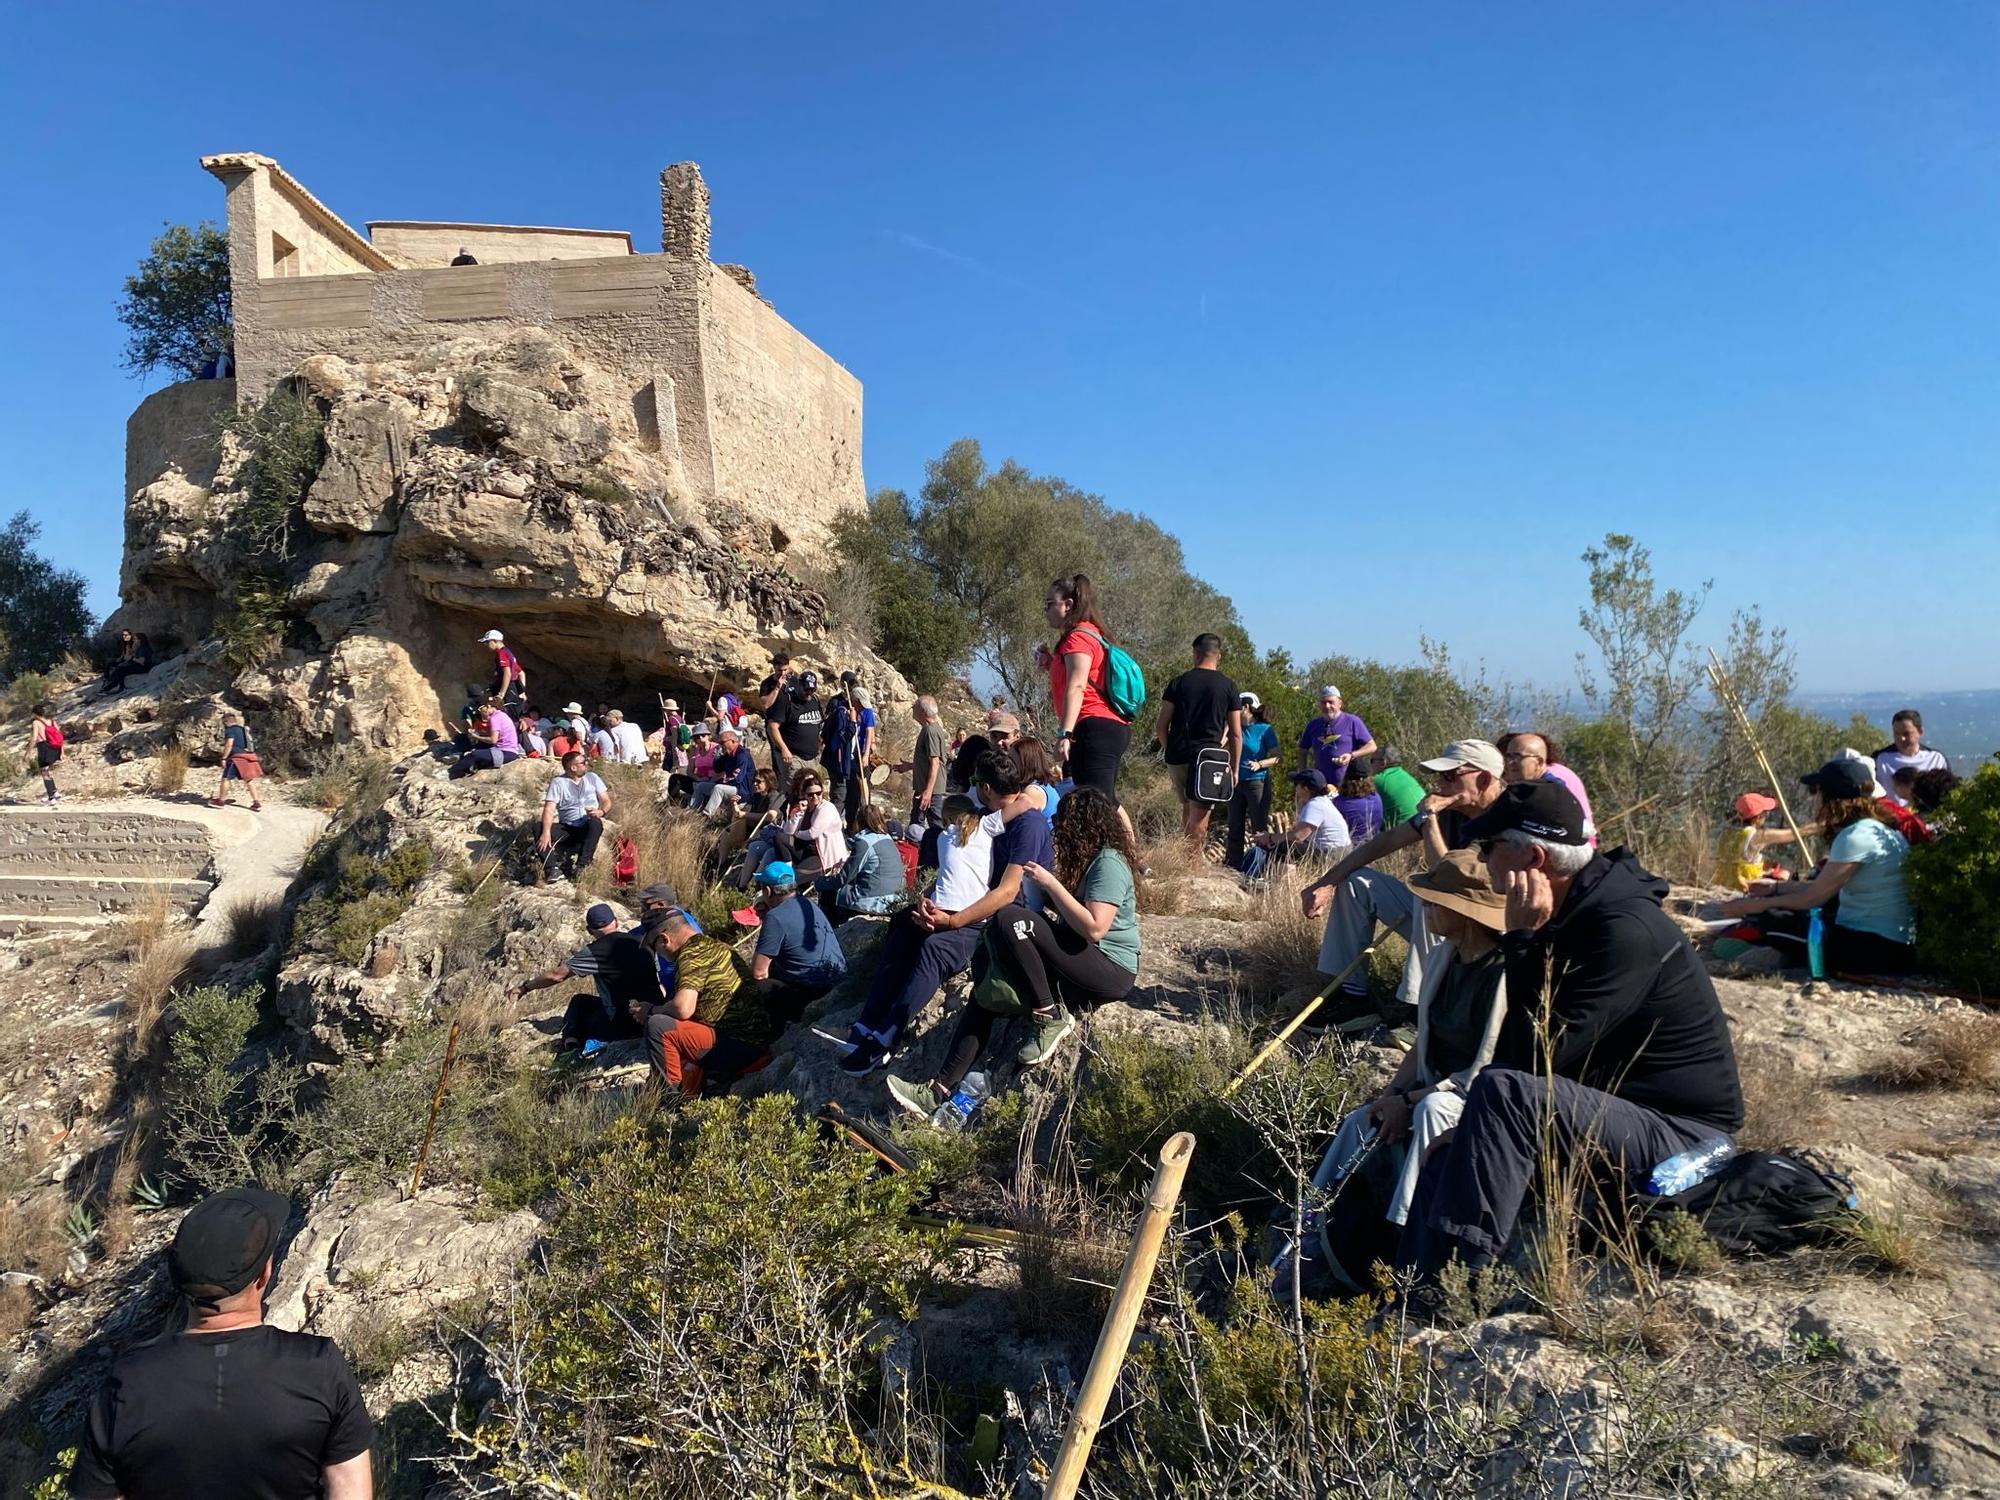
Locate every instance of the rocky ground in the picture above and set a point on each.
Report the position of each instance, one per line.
(1918, 1344)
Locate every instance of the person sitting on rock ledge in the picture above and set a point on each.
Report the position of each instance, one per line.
(494, 742)
(573, 812)
(799, 958)
(135, 659)
(627, 982)
(1318, 833)
(1635, 1064)
(714, 1027)
(627, 740)
(730, 776)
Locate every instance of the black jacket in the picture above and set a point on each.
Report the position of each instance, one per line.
(1632, 1010)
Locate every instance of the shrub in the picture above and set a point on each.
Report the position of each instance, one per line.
(285, 439)
(25, 690)
(1955, 886)
(221, 1126)
(368, 893)
(167, 770)
(349, 787)
(1956, 1051)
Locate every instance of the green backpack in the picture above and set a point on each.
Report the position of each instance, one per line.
(1124, 685)
(991, 988)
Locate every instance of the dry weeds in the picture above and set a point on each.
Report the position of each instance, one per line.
(157, 966)
(1960, 1050)
(1783, 1103)
(167, 770)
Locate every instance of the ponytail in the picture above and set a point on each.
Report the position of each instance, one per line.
(1081, 596)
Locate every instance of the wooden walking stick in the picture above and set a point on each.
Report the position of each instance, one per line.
(1116, 1335)
(1264, 1054)
(437, 1100)
(1727, 693)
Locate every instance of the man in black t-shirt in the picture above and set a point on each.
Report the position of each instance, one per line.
(793, 723)
(1201, 710)
(230, 1406)
(627, 975)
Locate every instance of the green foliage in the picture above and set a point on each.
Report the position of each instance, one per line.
(919, 631)
(253, 623)
(56, 1485)
(285, 439)
(367, 893)
(1679, 1241)
(1955, 886)
(42, 613)
(221, 1126)
(176, 309)
(1418, 708)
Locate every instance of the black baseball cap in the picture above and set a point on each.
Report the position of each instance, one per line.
(662, 893)
(1546, 809)
(1314, 779)
(224, 1241)
(1842, 777)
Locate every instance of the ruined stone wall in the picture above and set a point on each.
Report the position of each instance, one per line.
(176, 428)
(493, 244)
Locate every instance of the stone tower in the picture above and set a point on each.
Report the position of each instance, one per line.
(684, 213)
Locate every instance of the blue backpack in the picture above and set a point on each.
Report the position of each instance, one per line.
(1124, 685)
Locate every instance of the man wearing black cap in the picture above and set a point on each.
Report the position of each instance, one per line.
(1635, 1063)
(229, 1406)
(628, 980)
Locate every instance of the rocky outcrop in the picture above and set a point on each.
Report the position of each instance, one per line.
(484, 484)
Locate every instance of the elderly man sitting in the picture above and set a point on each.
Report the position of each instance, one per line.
(1635, 1064)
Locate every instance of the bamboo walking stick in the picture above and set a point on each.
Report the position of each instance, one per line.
(1264, 1055)
(1116, 1335)
(1727, 693)
(437, 1100)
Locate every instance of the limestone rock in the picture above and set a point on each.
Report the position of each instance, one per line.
(360, 482)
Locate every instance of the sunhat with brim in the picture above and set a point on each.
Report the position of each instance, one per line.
(1458, 883)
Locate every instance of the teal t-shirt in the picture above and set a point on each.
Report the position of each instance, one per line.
(1260, 742)
(1876, 898)
(1401, 792)
(1110, 880)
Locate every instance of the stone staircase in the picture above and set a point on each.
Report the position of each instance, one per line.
(76, 867)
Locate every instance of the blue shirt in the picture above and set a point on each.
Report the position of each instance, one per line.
(1876, 897)
(737, 772)
(1260, 742)
(1027, 840)
(799, 941)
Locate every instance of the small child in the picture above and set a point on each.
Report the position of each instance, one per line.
(1737, 861)
(47, 740)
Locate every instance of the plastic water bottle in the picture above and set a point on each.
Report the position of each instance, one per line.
(1816, 944)
(957, 1111)
(1679, 1173)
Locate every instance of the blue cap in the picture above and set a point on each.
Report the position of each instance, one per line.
(600, 915)
(777, 872)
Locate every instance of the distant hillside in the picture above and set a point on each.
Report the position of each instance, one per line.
(1964, 725)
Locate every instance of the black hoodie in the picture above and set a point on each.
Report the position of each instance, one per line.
(1633, 1012)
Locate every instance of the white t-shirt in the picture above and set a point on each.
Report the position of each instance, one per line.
(575, 799)
(1889, 762)
(1329, 827)
(602, 743)
(629, 743)
(964, 873)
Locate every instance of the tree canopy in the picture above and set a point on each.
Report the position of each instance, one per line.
(42, 613)
(177, 306)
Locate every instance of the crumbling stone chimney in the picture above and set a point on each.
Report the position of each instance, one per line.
(684, 212)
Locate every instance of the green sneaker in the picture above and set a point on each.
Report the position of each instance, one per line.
(1049, 1034)
(919, 1099)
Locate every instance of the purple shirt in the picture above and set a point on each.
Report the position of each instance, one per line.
(1326, 738)
(506, 737)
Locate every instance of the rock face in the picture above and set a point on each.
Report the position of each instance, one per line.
(480, 485)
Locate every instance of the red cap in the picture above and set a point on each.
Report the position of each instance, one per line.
(1753, 805)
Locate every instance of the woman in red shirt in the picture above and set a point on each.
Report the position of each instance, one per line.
(1093, 738)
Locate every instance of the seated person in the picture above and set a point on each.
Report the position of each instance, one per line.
(729, 778)
(1930, 790)
(1459, 1011)
(808, 834)
(700, 767)
(534, 739)
(920, 951)
(135, 659)
(492, 742)
(1738, 853)
(872, 881)
(751, 813)
(574, 808)
(1319, 830)
(798, 958)
(713, 1027)
(1635, 1064)
(1359, 804)
(1868, 926)
(627, 981)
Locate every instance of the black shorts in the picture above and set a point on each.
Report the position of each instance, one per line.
(1095, 748)
(47, 755)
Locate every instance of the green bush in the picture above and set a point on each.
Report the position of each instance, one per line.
(367, 893)
(222, 1126)
(286, 443)
(1955, 886)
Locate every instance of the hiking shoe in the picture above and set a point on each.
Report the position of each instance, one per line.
(1341, 1006)
(918, 1099)
(864, 1059)
(1049, 1033)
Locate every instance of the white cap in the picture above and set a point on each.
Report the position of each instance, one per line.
(1848, 752)
(1330, 691)
(1246, 696)
(572, 708)
(492, 637)
(1481, 755)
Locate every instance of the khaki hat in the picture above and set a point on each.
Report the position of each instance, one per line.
(1458, 883)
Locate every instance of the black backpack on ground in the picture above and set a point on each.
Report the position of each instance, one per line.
(1764, 1203)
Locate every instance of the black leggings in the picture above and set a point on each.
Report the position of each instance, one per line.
(1095, 748)
(1848, 950)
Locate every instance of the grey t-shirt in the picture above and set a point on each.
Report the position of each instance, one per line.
(929, 753)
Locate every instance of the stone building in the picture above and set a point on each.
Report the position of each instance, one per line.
(742, 405)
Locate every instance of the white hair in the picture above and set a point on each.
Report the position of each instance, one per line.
(1562, 859)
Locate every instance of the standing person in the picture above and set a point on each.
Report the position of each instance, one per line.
(1200, 710)
(1332, 738)
(45, 737)
(836, 750)
(1359, 803)
(927, 765)
(1906, 748)
(867, 724)
(1402, 794)
(628, 981)
(1250, 802)
(509, 681)
(1092, 736)
(727, 708)
(229, 1405)
(1531, 756)
(573, 812)
(239, 763)
(774, 702)
(798, 958)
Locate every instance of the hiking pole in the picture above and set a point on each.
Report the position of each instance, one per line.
(1264, 1055)
(1626, 812)
(1724, 690)
(1116, 1335)
(437, 1100)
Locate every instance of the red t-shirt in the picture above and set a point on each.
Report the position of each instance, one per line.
(1084, 639)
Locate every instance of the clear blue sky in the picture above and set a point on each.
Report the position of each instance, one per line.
(1429, 295)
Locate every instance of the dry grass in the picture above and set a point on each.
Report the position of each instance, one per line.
(1888, 1245)
(1281, 943)
(1957, 1051)
(158, 964)
(145, 923)
(1163, 889)
(167, 770)
(255, 923)
(1783, 1103)
(31, 1235)
(1068, 1257)
(669, 840)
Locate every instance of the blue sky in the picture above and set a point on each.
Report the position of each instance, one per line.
(1429, 295)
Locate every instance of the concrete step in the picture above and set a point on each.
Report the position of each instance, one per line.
(82, 866)
(40, 896)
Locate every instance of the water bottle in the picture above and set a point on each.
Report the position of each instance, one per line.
(1816, 944)
(957, 1111)
(1679, 1173)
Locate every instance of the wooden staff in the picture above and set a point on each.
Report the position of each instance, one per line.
(437, 1100)
(1295, 1023)
(1626, 812)
(1116, 1335)
(1727, 693)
